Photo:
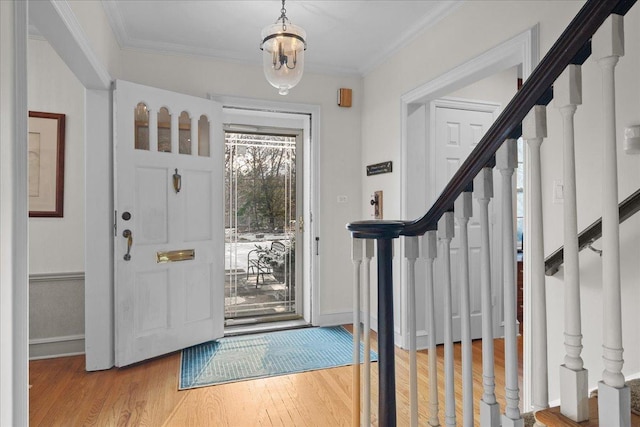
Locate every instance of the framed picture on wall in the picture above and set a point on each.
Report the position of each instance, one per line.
(46, 164)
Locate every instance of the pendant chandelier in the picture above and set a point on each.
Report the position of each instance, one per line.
(283, 45)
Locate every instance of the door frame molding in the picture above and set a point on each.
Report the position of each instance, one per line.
(522, 50)
(14, 267)
(300, 113)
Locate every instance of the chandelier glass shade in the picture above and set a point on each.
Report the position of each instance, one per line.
(283, 45)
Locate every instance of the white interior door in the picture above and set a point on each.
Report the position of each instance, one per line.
(169, 278)
(457, 131)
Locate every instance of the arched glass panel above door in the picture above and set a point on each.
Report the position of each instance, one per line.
(184, 133)
(164, 130)
(204, 149)
(141, 119)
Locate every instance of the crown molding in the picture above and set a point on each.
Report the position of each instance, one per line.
(440, 11)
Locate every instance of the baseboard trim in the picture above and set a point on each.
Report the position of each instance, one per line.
(55, 277)
(632, 376)
(52, 347)
(335, 319)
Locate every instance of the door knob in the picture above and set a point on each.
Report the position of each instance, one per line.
(129, 236)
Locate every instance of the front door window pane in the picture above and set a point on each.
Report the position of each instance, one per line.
(203, 137)
(141, 118)
(184, 133)
(164, 130)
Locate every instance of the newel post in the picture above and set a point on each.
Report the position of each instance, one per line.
(383, 232)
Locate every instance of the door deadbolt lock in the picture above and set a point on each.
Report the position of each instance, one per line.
(126, 216)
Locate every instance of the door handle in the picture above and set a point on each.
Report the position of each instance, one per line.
(129, 236)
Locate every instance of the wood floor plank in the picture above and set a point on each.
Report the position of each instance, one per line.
(63, 394)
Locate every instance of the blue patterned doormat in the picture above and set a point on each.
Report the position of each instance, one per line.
(265, 355)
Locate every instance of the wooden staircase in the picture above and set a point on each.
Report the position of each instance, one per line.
(596, 33)
(552, 417)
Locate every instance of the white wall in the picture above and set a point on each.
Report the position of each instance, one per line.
(96, 27)
(340, 137)
(498, 88)
(452, 42)
(57, 244)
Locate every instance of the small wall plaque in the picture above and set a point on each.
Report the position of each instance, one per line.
(378, 168)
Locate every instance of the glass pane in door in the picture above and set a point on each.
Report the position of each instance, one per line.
(260, 228)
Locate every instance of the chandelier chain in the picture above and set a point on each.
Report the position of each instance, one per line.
(283, 17)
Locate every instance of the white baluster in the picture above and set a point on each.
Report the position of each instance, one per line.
(445, 234)
(411, 252)
(430, 251)
(567, 94)
(506, 162)
(613, 395)
(463, 210)
(356, 257)
(534, 130)
(489, 408)
(366, 407)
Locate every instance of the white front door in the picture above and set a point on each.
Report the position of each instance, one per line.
(169, 252)
(457, 131)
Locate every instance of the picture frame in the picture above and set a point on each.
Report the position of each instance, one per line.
(46, 164)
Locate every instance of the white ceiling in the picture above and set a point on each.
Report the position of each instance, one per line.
(349, 36)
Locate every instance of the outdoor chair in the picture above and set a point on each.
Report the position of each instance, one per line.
(260, 260)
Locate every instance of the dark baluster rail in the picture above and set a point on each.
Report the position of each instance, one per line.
(571, 47)
(627, 208)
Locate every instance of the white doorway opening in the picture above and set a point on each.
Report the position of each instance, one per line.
(300, 122)
(520, 51)
(457, 125)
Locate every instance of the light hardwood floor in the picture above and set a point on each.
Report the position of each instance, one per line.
(63, 394)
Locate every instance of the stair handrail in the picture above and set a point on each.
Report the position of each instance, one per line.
(626, 209)
(566, 50)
